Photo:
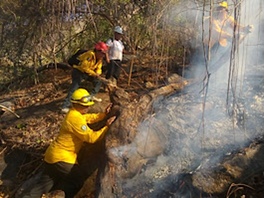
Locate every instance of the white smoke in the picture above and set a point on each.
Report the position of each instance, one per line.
(192, 131)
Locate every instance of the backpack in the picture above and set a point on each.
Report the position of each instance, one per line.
(73, 60)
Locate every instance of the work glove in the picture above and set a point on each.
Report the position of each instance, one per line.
(108, 108)
(249, 29)
(110, 120)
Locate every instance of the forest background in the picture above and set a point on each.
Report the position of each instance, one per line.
(161, 34)
(43, 32)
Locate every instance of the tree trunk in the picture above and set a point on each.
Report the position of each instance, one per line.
(119, 159)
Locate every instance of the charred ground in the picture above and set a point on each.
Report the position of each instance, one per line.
(24, 139)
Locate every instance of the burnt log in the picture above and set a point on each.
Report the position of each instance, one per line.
(151, 154)
(127, 147)
(238, 173)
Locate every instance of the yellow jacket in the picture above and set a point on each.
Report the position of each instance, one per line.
(88, 64)
(222, 30)
(73, 132)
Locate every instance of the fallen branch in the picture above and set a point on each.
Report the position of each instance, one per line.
(9, 110)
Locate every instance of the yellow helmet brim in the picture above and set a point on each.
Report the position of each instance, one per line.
(90, 103)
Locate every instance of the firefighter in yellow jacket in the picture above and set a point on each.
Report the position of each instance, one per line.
(60, 161)
(222, 29)
(89, 68)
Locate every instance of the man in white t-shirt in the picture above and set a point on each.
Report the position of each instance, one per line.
(115, 53)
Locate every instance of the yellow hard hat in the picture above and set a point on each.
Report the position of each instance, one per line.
(223, 4)
(81, 96)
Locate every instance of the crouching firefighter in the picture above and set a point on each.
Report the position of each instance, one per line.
(87, 65)
(61, 169)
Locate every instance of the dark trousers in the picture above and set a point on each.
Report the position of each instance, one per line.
(218, 56)
(113, 69)
(58, 176)
(77, 77)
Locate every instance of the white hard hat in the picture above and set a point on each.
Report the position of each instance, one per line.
(118, 29)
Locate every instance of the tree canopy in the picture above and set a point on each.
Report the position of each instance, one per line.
(35, 34)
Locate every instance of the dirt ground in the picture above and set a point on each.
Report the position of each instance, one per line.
(24, 139)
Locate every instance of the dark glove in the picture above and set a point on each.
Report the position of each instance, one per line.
(248, 29)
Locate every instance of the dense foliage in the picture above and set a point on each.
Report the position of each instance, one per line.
(35, 34)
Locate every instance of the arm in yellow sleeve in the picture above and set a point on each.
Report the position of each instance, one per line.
(88, 61)
(220, 29)
(99, 70)
(233, 22)
(91, 136)
(86, 134)
(94, 117)
(75, 125)
(86, 66)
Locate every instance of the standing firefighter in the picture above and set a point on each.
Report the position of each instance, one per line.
(61, 168)
(223, 26)
(89, 67)
(217, 42)
(115, 53)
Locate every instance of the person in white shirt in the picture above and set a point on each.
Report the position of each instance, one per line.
(115, 53)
